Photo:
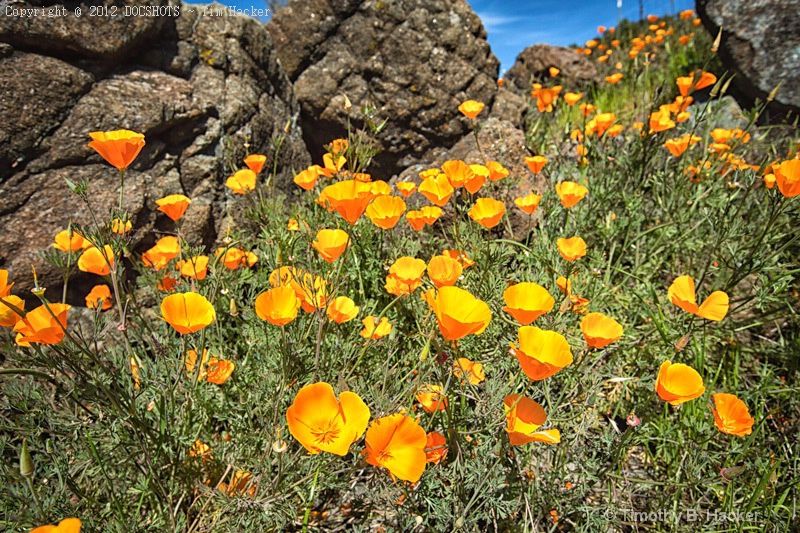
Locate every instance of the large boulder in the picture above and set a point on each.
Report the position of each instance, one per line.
(761, 45)
(203, 89)
(413, 61)
(534, 62)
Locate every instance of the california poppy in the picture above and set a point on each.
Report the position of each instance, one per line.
(444, 270)
(415, 219)
(536, 163)
(541, 353)
(69, 240)
(234, 258)
(322, 423)
(406, 188)
(98, 262)
(405, 275)
(564, 285)
(342, 309)
(212, 369)
(473, 372)
(523, 419)
(373, 329)
(487, 212)
(787, 176)
(119, 148)
(471, 108)
(332, 164)
(240, 484)
(661, 120)
(431, 398)
(571, 249)
(99, 297)
(40, 326)
(613, 79)
(480, 175)
(459, 256)
(679, 145)
(435, 447)
(194, 268)
(9, 317)
(165, 250)
(570, 193)
(458, 173)
(731, 415)
(174, 205)
(527, 301)
(307, 178)
(528, 203)
(545, 97)
(349, 198)
(121, 227)
(682, 294)
(331, 243)
(572, 98)
(385, 211)
(600, 330)
(255, 162)
(459, 313)
(278, 305)
(678, 383)
(242, 182)
(68, 525)
(397, 443)
(5, 286)
(437, 190)
(496, 171)
(187, 312)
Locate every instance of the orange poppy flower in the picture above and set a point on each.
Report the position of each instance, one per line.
(437, 190)
(487, 212)
(331, 243)
(373, 329)
(706, 79)
(94, 261)
(471, 108)
(120, 227)
(682, 293)
(99, 296)
(527, 301)
(241, 484)
(572, 98)
(731, 415)
(69, 243)
(313, 293)
(255, 162)
(322, 423)
(587, 109)
(119, 148)
(660, 120)
(68, 525)
(686, 14)
(5, 286)
(331, 168)
(242, 182)
(429, 173)
(541, 353)
(474, 373)
(536, 163)
(406, 188)
(385, 211)
(431, 398)
(435, 448)
(39, 326)
(600, 330)
(461, 257)
(545, 97)
(165, 250)
(194, 267)
(678, 383)
(342, 309)
(528, 203)
(187, 312)
(570, 193)
(405, 276)
(481, 174)
(444, 270)
(349, 198)
(174, 205)
(496, 171)
(458, 173)
(571, 249)
(308, 177)
(212, 369)
(684, 84)
(416, 220)
(278, 305)
(679, 145)
(787, 176)
(564, 285)
(613, 79)
(234, 258)
(523, 419)
(167, 284)
(9, 317)
(338, 146)
(397, 443)
(600, 123)
(459, 313)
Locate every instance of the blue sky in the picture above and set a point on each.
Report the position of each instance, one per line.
(513, 25)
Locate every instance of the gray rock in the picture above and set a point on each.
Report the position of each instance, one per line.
(534, 62)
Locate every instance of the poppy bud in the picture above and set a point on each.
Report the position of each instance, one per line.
(715, 46)
(774, 92)
(25, 460)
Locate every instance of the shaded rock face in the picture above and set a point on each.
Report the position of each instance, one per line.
(199, 87)
(415, 61)
(533, 64)
(761, 45)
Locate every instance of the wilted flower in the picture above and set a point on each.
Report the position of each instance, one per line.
(174, 205)
(464, 368)
(678, 383)
(119, 148)
(322, 423)
(187, 312)
(397, 443)
(599, 330)
(541, 353)
(731, 415)
(682, 293)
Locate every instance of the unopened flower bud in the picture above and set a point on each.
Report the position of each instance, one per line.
(25, 460)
